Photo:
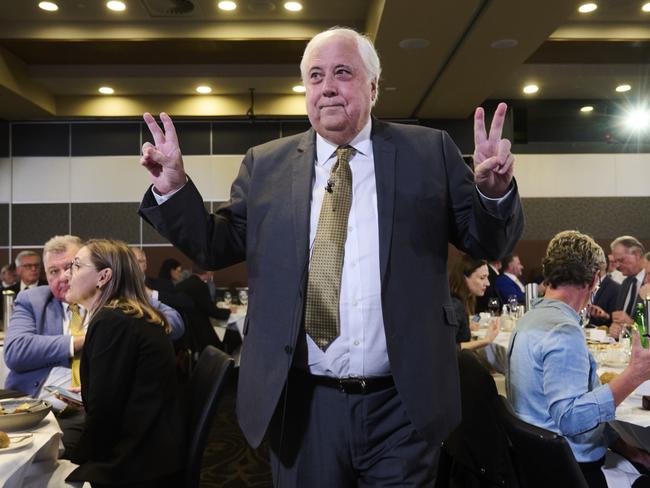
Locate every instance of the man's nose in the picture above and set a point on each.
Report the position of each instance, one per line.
(329, 86)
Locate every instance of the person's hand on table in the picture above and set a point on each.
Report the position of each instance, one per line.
(493, 330)
(596, 311)
(474, 326)
(619, 320)
(71, 405)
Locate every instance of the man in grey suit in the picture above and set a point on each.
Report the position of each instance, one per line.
(359, 385)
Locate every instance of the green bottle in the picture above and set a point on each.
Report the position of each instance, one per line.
(641, 326)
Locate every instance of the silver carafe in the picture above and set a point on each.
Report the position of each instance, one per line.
(8, 297)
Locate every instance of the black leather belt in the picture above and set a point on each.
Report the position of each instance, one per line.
(353, 385)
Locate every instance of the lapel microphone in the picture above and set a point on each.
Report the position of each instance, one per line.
(329, 186)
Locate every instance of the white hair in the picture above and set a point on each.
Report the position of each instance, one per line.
(365, 46)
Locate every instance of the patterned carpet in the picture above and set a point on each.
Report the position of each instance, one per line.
(228, 461)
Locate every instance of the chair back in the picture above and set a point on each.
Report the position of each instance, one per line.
(477, 452)
(542, 458)
(204, 390)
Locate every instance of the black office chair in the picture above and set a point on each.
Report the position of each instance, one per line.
(204, 390)
(542, 458)
(476, 453)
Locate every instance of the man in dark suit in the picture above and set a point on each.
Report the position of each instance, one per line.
(356, 381)
(198, 328)
(628, 255)
(28, 269)
(605, 298)
(509, 284)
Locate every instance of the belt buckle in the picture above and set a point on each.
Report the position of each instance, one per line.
(353, 385)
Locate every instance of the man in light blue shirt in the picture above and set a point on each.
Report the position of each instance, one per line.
(552, 380)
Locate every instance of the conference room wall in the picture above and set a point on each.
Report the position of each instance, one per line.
(84, 178)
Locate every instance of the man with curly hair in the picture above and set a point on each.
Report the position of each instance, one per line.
(552, 380)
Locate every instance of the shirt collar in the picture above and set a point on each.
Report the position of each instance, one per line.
(362, 143)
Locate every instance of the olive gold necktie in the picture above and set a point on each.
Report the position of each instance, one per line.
(322, 321)
(76, 327)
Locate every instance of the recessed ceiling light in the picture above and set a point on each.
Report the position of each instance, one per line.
(299, 89)
(49, 6)
(203, 89)
(587, 109)
(530, 89)
(106, 90)
(227, 5)
(414, 43)
(645, 7)
(116, 6)
(293, 6)
(586, 8)
(504, 44)
(623, 88)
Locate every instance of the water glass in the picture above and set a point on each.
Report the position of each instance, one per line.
(227, 298)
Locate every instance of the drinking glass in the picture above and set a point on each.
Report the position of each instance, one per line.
(227, 298)
(494, 306)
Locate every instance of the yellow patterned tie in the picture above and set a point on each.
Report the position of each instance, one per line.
(322, 321)
(76, 327)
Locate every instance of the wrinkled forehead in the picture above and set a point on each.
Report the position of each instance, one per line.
(334, 50)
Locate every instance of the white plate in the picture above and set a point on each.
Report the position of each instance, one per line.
(23, 440)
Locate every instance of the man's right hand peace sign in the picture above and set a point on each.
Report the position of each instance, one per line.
(163, 160)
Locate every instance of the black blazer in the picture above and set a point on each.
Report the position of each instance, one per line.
(199, 331)
(135, 427)
(426, 198)
(606, 298)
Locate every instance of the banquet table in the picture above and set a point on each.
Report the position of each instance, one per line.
(37, 465)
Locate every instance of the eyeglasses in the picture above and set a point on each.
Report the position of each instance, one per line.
(31, 265)
(75, 265)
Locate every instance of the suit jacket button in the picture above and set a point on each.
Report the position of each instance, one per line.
(288, 349)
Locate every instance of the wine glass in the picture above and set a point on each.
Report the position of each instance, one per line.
(513, 305)
(493, 306)
(227, 298)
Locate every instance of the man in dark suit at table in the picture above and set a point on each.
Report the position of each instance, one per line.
(605, 298)
(356, 380)
(628, 255)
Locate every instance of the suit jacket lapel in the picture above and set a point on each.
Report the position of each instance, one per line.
(384, 155)
(301, 188)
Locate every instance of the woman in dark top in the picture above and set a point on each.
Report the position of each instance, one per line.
(134, 431)
(468, 279)
(171, 271)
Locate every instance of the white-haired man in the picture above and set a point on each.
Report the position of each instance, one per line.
(354, 377)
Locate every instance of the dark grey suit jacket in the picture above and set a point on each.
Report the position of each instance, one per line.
(426, 197)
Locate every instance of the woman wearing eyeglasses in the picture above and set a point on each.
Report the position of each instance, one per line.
(133, 436)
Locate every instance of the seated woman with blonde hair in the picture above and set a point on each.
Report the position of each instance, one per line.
(468, 279)
(134, 430)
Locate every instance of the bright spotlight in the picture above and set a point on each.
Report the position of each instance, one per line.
(637, 119)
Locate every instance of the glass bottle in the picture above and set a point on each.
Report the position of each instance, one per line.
(640, 324)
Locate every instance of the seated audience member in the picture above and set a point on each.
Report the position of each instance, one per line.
(552, 380)
(604, 301)
(613, 271)
(171, 271)
(28, 270)
(468, 279)
(200, 329)
(628, 255)
(644, 292)
(8, 276)
(494, 267)
(509, 283)
(163, 290)
(134, 429)
(46, 335)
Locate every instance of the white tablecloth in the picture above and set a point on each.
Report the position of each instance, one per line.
(37, 465)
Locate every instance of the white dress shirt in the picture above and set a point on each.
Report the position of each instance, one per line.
(360, 349)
